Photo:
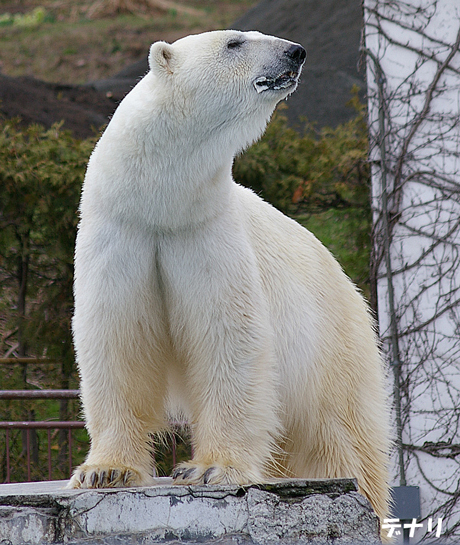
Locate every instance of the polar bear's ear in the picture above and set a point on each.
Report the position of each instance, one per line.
(161, 58)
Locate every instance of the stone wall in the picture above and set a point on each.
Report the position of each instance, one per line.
(284, 512)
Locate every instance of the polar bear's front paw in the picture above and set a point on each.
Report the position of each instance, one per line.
(88, 476)
(195, 473)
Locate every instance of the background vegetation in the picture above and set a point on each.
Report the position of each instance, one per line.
(320, 178)
(69, 41)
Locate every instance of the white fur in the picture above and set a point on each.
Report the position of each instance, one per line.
(193, 295)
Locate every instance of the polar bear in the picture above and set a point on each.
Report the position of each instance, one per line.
(193, 296)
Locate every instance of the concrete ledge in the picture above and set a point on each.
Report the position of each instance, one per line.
(285, 512)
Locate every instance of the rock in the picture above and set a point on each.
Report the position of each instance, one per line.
(287, 512)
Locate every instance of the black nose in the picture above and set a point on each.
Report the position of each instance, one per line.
(297, 53)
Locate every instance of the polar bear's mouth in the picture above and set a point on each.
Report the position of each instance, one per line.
(285, 80)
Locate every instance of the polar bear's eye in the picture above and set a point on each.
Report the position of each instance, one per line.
(235, 44)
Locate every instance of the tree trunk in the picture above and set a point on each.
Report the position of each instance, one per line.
(23, 274)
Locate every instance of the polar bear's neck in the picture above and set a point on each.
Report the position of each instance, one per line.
(148, 170)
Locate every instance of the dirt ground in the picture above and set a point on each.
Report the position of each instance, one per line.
(106, 54)
(45, 68)
(84, 110)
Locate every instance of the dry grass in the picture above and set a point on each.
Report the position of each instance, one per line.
(78, 42)
(112, 8)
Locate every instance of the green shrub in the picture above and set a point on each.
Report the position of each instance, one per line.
(311, 171)
(41, 172)
(30, 19)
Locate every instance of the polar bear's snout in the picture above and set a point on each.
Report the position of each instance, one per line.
(287, 71)
(297, 54)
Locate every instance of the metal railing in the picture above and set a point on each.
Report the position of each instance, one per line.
(38, 425)
(8, 426)
(30, 428)
(39, 394)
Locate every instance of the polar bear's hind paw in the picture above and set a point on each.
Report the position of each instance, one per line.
(106, 477)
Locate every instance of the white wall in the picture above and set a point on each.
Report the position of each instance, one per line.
(413, 72)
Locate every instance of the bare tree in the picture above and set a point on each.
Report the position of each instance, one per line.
(413, 63)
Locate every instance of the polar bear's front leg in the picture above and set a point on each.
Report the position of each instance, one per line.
(120, 455)
(220, 328)
(122, 350)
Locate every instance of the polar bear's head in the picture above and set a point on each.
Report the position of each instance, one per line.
(226, 80)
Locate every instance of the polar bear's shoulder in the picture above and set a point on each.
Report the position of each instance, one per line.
(291, 249)
(265, 220)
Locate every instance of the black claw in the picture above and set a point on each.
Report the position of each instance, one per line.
(102, 477)
(187, 474)
(82, 477)
(113, 475)
(178, 472)
(127, 476)
(207, 474)
(93, 479)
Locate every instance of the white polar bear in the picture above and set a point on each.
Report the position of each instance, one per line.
(193, 295)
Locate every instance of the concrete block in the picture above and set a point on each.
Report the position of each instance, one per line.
(284, 512)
